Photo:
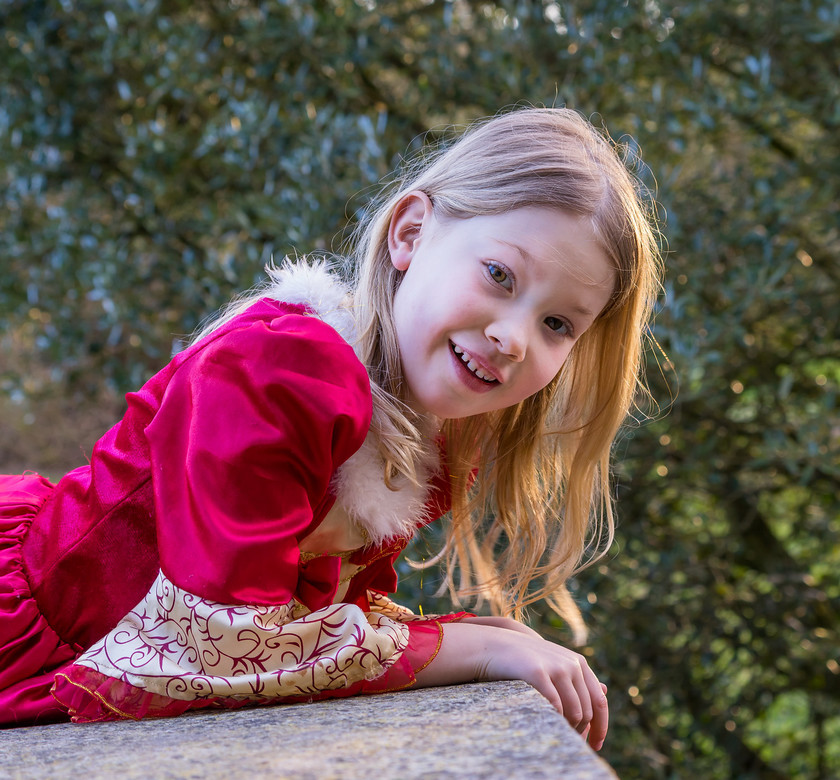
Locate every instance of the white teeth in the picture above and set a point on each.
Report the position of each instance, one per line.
(470, 363)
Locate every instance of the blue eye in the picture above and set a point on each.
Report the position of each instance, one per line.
(559, 326)
(499, 275)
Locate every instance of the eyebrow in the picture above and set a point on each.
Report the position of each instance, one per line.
(528, 257)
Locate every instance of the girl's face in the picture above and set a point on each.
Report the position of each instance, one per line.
(490, 307)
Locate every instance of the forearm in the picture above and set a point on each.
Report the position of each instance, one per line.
(458, 660)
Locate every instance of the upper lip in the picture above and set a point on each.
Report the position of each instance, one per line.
(482, 362)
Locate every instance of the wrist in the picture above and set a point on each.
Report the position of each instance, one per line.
(463, 656)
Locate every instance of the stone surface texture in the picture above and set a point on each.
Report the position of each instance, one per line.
(483, 730)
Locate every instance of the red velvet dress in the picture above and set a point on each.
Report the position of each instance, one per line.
(167, 575)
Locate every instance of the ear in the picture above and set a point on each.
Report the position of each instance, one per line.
(412, 213)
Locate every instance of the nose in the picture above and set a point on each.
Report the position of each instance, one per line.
(510, 337)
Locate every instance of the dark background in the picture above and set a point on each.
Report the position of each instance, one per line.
(155, 155)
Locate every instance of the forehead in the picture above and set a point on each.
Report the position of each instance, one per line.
(550, 238)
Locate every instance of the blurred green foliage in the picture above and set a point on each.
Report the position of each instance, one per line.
(154, 155)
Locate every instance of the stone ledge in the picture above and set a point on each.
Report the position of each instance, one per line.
(482, 730)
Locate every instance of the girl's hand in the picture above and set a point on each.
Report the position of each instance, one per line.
(487, 651)
(561, 675)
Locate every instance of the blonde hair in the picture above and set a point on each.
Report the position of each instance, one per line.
(540, 496)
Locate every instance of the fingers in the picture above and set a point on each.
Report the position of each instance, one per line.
(600, 722)
(548, 689)
(561, 675)
(583, 697)
(574, 708)
(596, 708)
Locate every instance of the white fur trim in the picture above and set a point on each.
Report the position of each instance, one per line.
(359, 483)
(383, 513)
(312, 285)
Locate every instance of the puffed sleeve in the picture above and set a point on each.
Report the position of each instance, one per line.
(243, 448)
(248, 435)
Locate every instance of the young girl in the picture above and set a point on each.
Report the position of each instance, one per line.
(232, 540)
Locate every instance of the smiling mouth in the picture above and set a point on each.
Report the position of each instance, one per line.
(469, 361)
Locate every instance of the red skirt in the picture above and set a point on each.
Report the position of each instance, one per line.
(30, 651)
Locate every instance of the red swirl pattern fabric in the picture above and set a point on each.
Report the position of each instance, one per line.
(176, 651)
(179, 646)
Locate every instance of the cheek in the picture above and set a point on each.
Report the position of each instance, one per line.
(461, 307)
(548, 368)
(404, 311)
(544, 378)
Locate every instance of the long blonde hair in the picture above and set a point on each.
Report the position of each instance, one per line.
(537, 501)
